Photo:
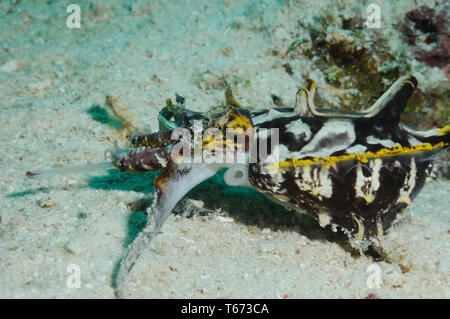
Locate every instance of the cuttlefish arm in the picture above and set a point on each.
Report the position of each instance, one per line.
(170, 186)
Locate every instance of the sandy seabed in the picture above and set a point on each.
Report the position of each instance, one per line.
(53, 84)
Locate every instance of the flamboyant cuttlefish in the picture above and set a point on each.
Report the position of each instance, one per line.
(355, 171)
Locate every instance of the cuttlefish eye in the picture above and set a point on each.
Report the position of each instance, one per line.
(122, 165)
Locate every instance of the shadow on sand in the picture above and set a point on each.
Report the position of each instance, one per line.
(244, 205)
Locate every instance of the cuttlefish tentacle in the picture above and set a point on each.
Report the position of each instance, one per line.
(157, 139)
(142, 159)
(170, 186)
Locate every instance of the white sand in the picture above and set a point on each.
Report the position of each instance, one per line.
(51, 76)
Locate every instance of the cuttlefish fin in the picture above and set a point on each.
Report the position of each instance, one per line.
(170, 186)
